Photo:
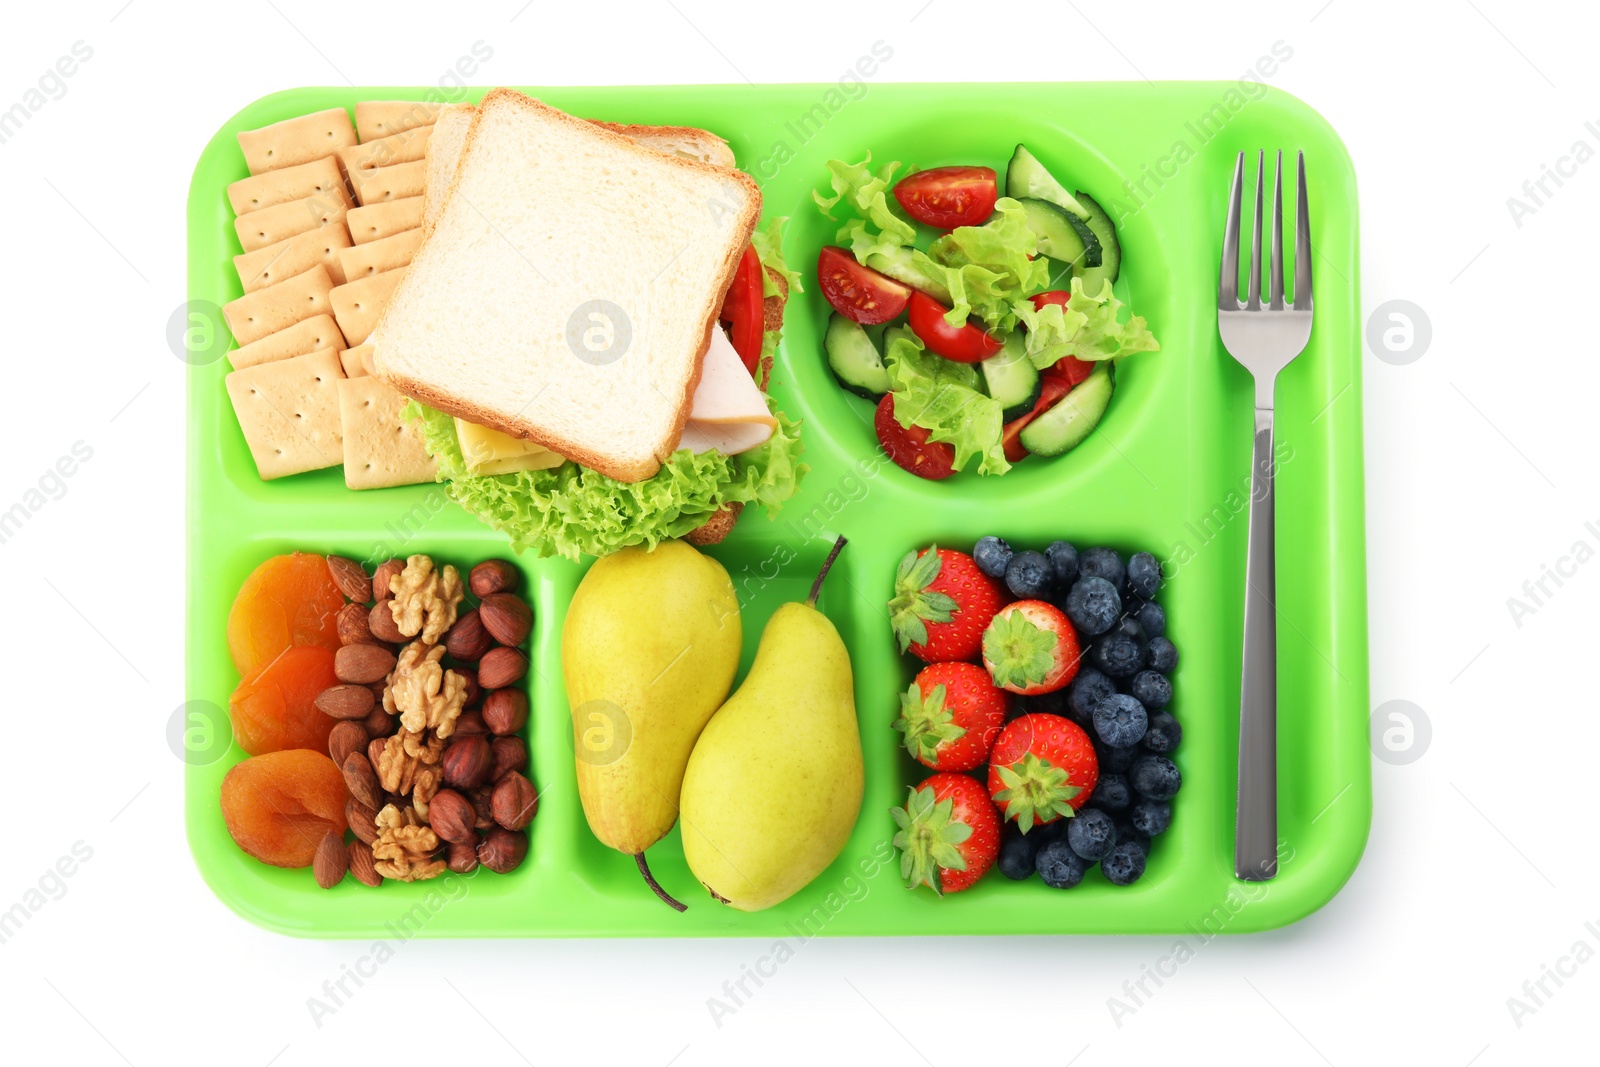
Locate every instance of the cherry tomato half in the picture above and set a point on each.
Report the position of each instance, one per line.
(744, 309)
(1059, 297)
(1070, 369)
(910, 449)
(1051, 389)
(859, 293)
(947, 197)
(963, 344)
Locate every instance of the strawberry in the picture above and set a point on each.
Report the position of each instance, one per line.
(950, 716)
(942, 602)
(1031, 648)
(1043, 767)
(949, 833)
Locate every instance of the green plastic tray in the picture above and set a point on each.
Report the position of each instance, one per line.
(1167, 471)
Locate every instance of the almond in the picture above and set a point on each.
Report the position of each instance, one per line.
(362, 665)
(375, 749)
(352, 624)
(467, 762)
(345, 738)
(362, 780)
(362, 819)
(383, 575)
(351, 578)
(467, 640)
(501, 667)
(493, 576)
(450, 815)
(514, 802)
(332, 859)
(507, 618)
(380, 620)
(347, 701)
(505, 711)
(379, 723)
(362, 866)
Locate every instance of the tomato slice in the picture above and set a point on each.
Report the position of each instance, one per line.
(1072, 370)
(859, 293)
(1052, 387)
(744, 309)
(910, 449)
(963, 344)
(949, 196)
(1059, 297)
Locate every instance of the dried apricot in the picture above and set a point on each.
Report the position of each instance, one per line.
(286, 602)
(275, 708)
(280, 806)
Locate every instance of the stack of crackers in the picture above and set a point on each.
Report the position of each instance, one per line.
(327, 223)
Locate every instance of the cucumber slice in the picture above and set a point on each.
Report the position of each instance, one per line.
(1026, 177)
(899, 266)
(1099, 223)
(1062, 236)
(1064, 426)
(854, 359)
(1010, 377)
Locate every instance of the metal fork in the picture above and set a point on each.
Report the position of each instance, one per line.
(1264, 339)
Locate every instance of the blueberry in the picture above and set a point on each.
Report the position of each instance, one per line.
(1045, 832)
(1063, 562)
(1093, 605)
(1047, 703)
(1152, 619)
(1119, 655)
(1059, 866)
(1144, 575)
(1091, 834)
(1119, 721)
(1163, 656)
(1130, 626)
(1125, 865)
(1115, 760)
(1152, 689)
(1126, 832)
(1163, 735)
(1150, 817)
(1155, 778)
(1103, 563)
(1016, 855)
(1089, 688)
(1028, 576)
(992, 555)
(1111, 794)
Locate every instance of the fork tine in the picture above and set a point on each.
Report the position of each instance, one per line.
(1253, 301)
(1228, 285)
(1302, 245)
(1275, 293)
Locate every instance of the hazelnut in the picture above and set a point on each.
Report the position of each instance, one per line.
(467, 640)
(331, 860)
(379, 723)
(483, 806)
(451, 816)
(493, 576)
(469, 722)
(472, 692)
(467, 761)
(514, 801)
(505, 711)
(507, 618)
(362, 780)
(463, 856)
(345, 738)
(383, 575)
(501, 667)
(347, 701)
(380, 620)
(502, 850)
(510, 754)
(352, 625)
(351, 578)
(362, 866)
(361, 665)
(362, 819)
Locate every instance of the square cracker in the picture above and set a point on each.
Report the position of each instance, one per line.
(384, 220)
(381, 448)
(277, 307)
(383, 118)
(403, 147)
(289, 412)
(375, 257)
(297, 140)
(358, 304)
(281, 186)
(382, 184)
(307, 335)
(357, 361)
(291, 218)
(294, 255)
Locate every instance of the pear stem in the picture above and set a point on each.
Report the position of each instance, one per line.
(827, 564)
(650, 880)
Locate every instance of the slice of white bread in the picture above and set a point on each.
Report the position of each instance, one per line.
(450, 133)
(551, 224)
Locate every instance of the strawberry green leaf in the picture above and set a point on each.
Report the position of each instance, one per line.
(914, 604)
(928, 838)
(926, 722)
(1035, 790)
(1018, 652)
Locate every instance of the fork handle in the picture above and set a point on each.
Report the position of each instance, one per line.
(1255, 854)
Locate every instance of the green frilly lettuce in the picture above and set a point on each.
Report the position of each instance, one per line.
(944, 398)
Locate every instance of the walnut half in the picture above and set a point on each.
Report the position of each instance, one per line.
(406, 846)
(425, 599)
(423, 693)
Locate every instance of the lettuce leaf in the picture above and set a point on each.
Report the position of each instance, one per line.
(866, 190)
(570, 510)
(987, 268)
(767, 240)
(1086, 329)
(944, 398)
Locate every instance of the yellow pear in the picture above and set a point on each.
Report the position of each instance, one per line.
(649, 649)
(774, 786)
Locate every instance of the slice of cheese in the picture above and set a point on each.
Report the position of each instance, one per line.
(489, 451)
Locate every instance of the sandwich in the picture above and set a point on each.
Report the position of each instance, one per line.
(560, 330)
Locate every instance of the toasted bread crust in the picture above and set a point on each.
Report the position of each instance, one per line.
(717, 527)
(744, 225)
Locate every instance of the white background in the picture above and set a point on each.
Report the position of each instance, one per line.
(1480, 869)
